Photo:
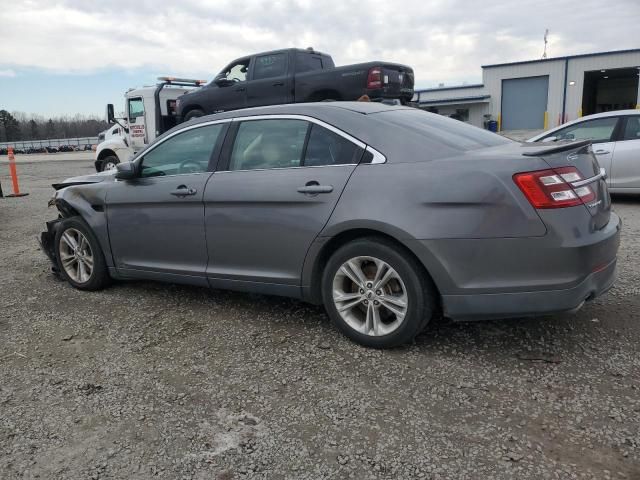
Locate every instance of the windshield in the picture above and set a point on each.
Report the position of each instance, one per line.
(453, 133)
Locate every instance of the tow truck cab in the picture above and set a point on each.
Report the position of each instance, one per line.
(148, 113)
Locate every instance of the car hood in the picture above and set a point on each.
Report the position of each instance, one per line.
(107, 176)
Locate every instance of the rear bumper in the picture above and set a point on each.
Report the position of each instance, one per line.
(533, 303)
(515, 277)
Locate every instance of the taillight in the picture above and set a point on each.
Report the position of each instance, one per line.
(374, 79)
(552, 189)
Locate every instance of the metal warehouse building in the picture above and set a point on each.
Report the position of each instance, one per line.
(540, 94)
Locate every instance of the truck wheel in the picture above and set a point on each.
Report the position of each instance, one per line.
(110, 162)
(193, 114)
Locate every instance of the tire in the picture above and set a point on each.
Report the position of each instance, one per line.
(109, 163)
(93, 277)
(406, 283)
(193, 114)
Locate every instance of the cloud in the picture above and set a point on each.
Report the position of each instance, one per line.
(7, 73)
(444, 40)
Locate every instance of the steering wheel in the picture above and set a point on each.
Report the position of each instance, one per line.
(234, 79)
(190, 166)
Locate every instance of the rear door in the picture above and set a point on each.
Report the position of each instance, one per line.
(270, 82)
(626, 159)
(266, 206)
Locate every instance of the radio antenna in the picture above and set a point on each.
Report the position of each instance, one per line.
(546, 34)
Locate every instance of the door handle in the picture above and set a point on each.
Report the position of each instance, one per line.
(239, 89)
(313, 188)
(601, 152)
(183, 191)
(278, 84)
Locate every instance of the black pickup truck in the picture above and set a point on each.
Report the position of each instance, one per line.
(295, 75)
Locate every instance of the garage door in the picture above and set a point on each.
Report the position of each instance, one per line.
(524, 101)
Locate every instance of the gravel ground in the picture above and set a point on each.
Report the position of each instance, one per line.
(148, 380)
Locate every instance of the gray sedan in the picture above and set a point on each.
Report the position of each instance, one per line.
(387, 215)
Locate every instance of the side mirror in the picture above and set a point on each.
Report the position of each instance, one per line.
(111, 118)
(223, 82)
(126, 171)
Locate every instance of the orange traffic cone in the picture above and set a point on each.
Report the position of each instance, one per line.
(14, 175)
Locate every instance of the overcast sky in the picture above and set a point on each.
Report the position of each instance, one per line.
(76, 55)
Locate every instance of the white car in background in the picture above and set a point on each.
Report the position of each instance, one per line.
(616, 142)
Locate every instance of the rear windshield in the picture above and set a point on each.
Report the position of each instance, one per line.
(452, 133)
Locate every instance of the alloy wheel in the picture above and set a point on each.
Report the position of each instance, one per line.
(370, 296)
(76, 256)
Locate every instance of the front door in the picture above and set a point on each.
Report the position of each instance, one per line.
(156, 221)
(269, 84)
(273, 199)
(137, 123)
(626, 160)
(601, 132)
(231, 91)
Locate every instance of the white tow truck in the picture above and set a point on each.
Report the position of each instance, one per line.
(149, 112)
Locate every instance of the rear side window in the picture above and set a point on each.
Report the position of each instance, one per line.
(632, 128)
(328, 148)
(186, 152)
(598, 130)
(267, 66)
(306, 62)
(261, 144)
(447, 131)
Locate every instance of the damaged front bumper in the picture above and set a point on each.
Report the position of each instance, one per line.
(47, 244)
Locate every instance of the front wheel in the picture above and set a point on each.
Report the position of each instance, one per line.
(79, 256)
(375, 294)
(109, 163)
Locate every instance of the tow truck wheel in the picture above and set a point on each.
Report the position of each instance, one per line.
(109, 163)
(193, 114)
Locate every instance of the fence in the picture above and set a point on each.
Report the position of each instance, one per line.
(22, 144)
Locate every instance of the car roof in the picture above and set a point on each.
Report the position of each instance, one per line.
(612, 113)
(365, 108)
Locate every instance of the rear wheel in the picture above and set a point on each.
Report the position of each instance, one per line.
(375, 294)
(79, 256)
(193, 114)
(110, 162)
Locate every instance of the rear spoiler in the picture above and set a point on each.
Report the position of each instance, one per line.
(551, 149)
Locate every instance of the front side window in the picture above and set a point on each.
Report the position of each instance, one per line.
(136, 108)
(598, 130)
(186, 152)
(273, 143)
(236, 72)
(632, 128)
(328, 148)
(268, 66)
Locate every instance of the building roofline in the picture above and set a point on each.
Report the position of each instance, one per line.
(452, 87)
(568, 57)
(454, 99)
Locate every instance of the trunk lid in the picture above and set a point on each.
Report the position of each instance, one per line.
(580, 156)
